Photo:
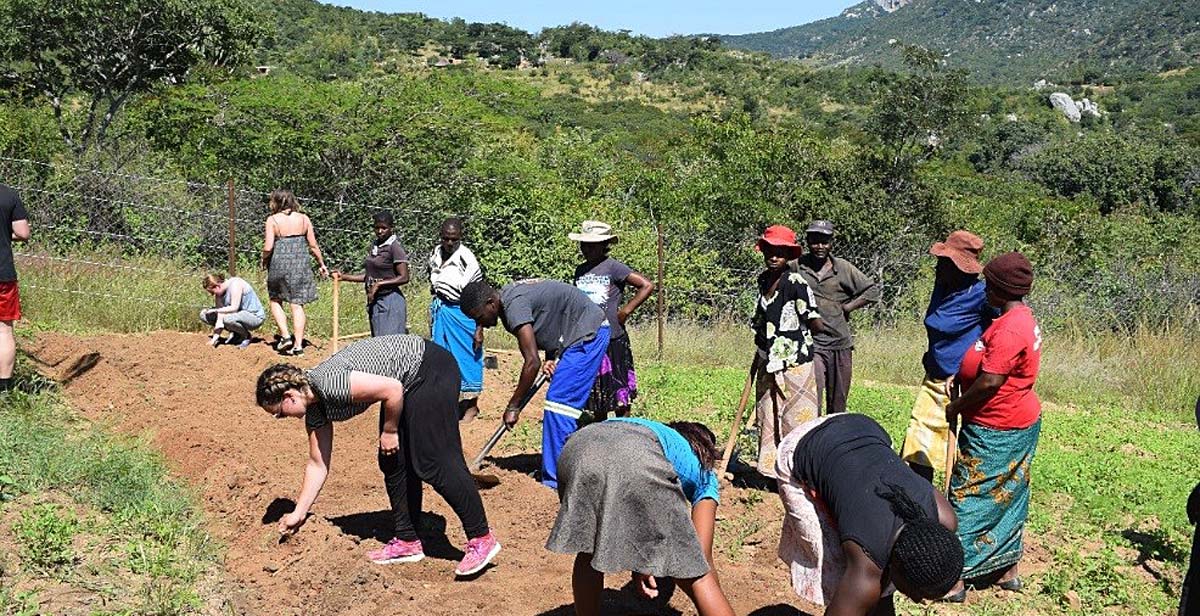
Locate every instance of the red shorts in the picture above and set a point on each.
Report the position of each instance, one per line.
(10, 301)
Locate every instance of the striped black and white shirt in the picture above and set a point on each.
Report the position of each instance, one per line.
(398, 357)
(447, 277)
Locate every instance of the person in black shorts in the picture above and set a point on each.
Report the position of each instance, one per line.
(416, 384)
(859, 521)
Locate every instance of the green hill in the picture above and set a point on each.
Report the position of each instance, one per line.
(1003, 40)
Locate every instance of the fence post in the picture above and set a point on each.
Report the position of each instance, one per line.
(232, 230)
(662, 290)
(336, 301)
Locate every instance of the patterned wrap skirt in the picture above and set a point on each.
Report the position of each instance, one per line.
(989, 490)
(616, 384)
(784, 400)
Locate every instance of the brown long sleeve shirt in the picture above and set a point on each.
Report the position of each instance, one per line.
(835, 284)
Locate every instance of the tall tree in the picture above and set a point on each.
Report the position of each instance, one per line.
(87, 58)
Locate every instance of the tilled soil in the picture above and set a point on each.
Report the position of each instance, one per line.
(196, 405)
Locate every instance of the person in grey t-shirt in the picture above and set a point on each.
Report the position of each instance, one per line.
(559, 319)
(604, 279)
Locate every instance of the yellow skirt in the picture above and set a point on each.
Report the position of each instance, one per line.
(928, 433)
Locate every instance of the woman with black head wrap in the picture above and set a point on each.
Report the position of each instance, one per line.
(860, 523)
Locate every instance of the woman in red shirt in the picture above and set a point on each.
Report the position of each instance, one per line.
(1001, 419)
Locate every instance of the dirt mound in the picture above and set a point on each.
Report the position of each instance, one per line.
(196, 405)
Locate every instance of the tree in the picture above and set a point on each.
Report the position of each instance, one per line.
(94, 55)
(918, 114)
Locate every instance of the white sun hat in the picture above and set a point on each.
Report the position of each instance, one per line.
(594, 231)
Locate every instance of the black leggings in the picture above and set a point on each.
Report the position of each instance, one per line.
(431, 450)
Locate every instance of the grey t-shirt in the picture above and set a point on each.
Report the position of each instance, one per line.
(561, 314)
(603, 284)
(11, 210)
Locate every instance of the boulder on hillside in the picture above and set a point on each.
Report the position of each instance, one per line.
(1088, 108)
(1062, 102)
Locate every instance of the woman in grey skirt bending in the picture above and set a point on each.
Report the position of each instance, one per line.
(287, 240)
(384, 270)
(637, 495)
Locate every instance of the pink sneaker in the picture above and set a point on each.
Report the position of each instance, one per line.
(479, 552)
(397, 551)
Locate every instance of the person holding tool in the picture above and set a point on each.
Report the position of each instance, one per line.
(415, 383)
(958, 314)
(784, 318)
(385, 270)
(559, 319)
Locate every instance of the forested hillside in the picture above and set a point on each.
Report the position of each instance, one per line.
(1011, 41)
(529, 134)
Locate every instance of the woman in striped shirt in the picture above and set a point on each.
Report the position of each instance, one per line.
(451, 267)
(416, 385)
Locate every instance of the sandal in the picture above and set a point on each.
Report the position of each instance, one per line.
(282, 344)
(1013, 585)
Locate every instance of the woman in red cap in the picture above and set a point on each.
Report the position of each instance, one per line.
(1001, 420)
(784, 318)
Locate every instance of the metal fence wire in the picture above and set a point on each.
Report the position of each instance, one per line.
(94, 225)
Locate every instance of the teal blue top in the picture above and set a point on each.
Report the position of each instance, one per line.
(696, 482)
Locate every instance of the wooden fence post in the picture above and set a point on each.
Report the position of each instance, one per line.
(336, 302)
(662, 290)
(232, 230)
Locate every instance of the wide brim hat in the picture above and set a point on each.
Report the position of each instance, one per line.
(594, 231)
(780, 236)
(963, 248)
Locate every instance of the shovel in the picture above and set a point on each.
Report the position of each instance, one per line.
(487, 480)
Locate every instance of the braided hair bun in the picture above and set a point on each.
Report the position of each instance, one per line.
(927, 554)
(277, 380)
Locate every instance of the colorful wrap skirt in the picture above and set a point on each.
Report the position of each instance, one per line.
(989, 490)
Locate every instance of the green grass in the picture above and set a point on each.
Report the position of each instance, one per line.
(92, 512)
(1113, 469)
(1109, 489)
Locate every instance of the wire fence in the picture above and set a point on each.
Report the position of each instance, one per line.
(144, 241)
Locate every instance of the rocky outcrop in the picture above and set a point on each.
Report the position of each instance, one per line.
(892, 5)
(1074, 110)
(1062, 102)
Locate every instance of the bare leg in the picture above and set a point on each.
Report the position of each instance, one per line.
(8, 350)
(586, 584)
(280, 317)
(706, 593)
(299, 320)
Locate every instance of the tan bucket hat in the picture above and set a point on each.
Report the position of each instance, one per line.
(594, 231)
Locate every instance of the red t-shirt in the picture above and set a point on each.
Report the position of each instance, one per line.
(1012, 346)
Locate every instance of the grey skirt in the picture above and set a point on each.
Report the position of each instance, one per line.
(620, 501)
(289, 275)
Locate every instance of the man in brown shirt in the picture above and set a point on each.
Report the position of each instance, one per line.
(840, 289)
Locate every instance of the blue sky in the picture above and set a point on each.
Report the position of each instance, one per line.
(649, 17)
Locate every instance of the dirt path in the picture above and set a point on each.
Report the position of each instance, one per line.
(196, 405)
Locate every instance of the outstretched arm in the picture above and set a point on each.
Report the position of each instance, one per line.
(529, 371)
(320, 452)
